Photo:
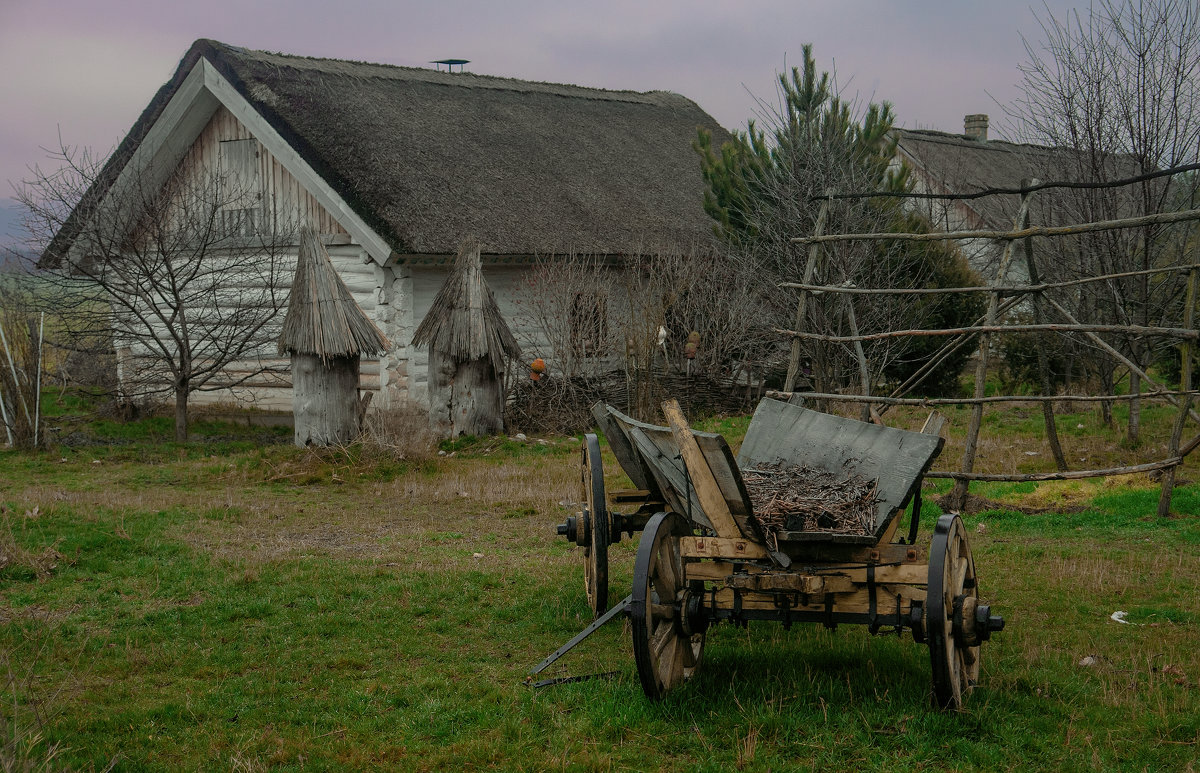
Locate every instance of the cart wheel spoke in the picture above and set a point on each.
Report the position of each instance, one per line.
(676, 670)
(960, 574)
(663, 636)
(665, 656)
(666, 580)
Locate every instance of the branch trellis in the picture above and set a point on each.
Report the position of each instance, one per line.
(1003, 296)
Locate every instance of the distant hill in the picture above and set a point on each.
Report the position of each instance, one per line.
(11, 233)
(14, 251)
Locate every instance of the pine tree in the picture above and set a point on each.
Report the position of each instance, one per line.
(765, 188)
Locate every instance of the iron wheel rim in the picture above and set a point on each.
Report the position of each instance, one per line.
(954, 667)
(595, 520)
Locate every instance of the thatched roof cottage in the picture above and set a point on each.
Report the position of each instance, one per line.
(394, 167)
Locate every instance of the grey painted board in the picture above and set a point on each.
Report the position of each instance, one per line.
(668, 470)
(622, 448)
(791, 435)
(658, 456)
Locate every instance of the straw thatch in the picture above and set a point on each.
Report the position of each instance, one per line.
(322, 318)
(429, 158)
(464, 322)
(953, 163)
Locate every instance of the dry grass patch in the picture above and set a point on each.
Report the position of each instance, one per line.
(491, 507)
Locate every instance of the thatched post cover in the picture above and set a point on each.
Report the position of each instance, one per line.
(468, 343)
(325, 332)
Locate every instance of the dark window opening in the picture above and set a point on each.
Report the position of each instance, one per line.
(589, 324)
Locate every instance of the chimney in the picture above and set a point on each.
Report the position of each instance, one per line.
(975, 126)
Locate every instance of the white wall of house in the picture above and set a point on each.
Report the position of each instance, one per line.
(508, 284)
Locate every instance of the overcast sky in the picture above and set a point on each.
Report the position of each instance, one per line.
(85, 69)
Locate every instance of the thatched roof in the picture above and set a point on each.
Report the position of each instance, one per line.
(322, 318)
(954, 163)
(464, 321)
(429, 158)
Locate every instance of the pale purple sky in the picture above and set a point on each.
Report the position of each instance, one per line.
(87, 68)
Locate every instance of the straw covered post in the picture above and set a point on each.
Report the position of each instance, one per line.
(468, 344)
(325, 332)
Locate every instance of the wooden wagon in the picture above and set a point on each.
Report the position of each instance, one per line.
(705, 556)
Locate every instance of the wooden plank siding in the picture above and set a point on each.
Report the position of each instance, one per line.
(279, 187)
(291, 203)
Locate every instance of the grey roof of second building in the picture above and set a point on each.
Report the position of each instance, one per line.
(429, 158)
(954, 163)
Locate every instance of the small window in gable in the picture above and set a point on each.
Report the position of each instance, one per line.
(241, 187)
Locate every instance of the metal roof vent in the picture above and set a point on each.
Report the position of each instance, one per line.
(450, 64)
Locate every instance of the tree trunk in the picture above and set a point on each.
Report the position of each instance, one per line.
(325, 400)
(1107, 382)
(181, 412)
(465, 398)
(476, 403)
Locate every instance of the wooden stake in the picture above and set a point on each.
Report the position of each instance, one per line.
(864, 373)
(37, 400)
(810, 268)
(1060, 460)
(958, 495)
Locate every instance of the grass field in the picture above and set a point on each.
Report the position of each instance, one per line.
(237, 604)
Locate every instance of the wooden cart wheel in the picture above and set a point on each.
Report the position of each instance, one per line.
(665, 647)
(595, 524)
(951, 605)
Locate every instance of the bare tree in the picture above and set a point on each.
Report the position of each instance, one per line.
(21, 355)
(1118, 87)
(610, 325)
(186, 279)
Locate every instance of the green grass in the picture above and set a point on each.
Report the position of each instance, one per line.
(227, 607)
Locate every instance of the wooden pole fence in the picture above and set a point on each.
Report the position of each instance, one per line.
(1007, 290)
(1185, 357)
(1171, 332)
(1068, 475)
(929, 402)
(1163, 218)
